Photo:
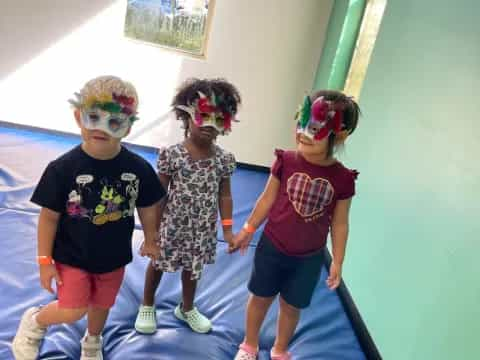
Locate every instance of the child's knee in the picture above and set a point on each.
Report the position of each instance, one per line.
(261, 301)
(73, 315)
(287, 308)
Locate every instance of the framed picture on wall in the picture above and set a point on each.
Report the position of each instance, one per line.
(182, 25)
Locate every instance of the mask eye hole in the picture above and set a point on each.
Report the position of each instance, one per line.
(114, 124)
(93, 117)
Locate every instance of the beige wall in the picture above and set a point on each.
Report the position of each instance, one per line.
(269, 49)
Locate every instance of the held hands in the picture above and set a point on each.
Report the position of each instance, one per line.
(228, 237)
(47, 273)
(241, 241)
(335, 276)
(150, 249)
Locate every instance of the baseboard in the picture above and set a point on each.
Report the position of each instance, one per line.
(252, 167)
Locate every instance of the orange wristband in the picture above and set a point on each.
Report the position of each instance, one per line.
(249, 228)
(45, 260)
(227, 222)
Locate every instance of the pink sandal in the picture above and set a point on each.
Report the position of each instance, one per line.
(246, 352)
(284, 356)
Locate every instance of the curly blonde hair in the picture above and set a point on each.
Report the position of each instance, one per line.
(102, 88)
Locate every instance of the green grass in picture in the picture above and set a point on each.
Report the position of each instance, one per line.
(183, 32)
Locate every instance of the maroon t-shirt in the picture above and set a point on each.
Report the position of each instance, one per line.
(300, 218)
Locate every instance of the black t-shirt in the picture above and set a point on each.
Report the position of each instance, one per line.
(96, 200)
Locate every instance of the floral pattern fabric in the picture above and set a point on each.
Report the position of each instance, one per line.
(188, 230)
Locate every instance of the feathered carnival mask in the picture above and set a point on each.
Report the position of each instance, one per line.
(109, 112)
(205, 111)
(318, 120)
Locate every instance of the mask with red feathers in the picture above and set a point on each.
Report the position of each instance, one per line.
(318, 120)
(205, 111)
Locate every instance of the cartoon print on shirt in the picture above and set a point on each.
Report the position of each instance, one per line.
(74, 203)
(109, 202)
(132, 192)
(109, 207)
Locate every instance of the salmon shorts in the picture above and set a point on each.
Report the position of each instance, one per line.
(81, 289)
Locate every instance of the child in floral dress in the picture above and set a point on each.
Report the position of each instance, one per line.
(196, 173)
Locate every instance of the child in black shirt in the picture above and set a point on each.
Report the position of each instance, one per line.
(87, 198)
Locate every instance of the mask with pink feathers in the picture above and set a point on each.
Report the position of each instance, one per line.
(205, 111)
(319, 119)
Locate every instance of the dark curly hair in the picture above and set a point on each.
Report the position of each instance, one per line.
(227, 95)
(351, 113)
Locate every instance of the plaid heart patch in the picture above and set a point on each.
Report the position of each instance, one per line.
(309, 196)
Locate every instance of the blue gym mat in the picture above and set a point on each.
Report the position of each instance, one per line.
(324, 331)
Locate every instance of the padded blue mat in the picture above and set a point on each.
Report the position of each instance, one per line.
(324, 331)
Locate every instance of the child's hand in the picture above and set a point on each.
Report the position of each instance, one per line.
(47, 273)
(150, 249)
(241, 241)
(335, 276)
(228, 237)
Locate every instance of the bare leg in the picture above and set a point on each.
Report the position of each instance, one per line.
(286, 325)
(152, 279)
(52, 314)
(189, 287)
(257, 308)
(96, 320)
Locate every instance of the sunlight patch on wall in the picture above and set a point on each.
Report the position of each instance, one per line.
(363, 50)
(36, 93)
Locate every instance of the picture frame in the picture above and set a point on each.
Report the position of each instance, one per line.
(179, 25)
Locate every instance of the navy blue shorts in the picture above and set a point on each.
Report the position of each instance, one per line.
(294, 278)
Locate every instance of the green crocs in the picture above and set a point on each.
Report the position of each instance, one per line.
(197, 322)
(146, 322)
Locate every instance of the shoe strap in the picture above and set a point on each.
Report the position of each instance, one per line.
(35, 334)
(249, 349)
(191, 313)
(93, 345)
(284, 356)
(147, 312)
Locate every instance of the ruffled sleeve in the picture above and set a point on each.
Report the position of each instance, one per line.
(228, 164)
(164, 162)
(277, 166)
(348, 190)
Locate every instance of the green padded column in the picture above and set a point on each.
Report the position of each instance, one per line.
(334, 30)
(346, 44)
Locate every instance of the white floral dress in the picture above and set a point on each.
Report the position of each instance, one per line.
(188, 230)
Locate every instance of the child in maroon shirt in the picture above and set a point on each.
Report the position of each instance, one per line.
(308, 193)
